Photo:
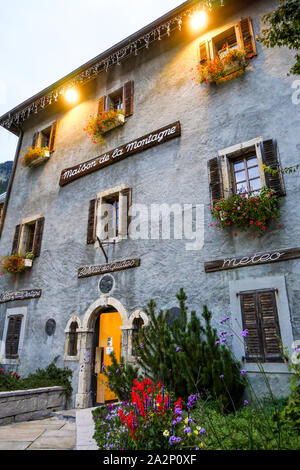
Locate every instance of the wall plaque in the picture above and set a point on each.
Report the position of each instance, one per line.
(20, 295)
(266, 257)
(89, 271)
(135, 146)
(50, 327)
(106, 284)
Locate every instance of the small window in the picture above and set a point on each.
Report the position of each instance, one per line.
(137, 324)
(224, 42)
(28, 237)
(246, 174)
(111, 214)
(29, 233)
(45, 138)
(73, 339)
(260, 319)
(13, 337)
(115, 100)
(120, 100)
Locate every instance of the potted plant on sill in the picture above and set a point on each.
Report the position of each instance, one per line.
(99, 124)
(248, 212)
(34, 157)
(229, 64)
(29, 257)
(12, 264)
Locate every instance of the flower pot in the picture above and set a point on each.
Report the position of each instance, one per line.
(40, 160)
(28, 263)
(121, 122)
(230, 75)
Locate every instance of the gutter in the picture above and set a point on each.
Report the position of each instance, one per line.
(11, 180)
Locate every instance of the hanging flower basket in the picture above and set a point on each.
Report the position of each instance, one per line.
(35, 157)
(227, 66)
(100, 124)
(248, 213)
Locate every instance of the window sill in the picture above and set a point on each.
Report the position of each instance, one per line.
(9, 362)
(71, 358)
(268, 367)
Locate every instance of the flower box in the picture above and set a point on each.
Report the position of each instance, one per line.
(100, 124)
(28, 263)
(233, 72)
(40, 160)
(120, 122)
(228, 65)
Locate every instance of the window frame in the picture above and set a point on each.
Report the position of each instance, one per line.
(10, 312)
(243, 158)
(22, 245)
(38, 137)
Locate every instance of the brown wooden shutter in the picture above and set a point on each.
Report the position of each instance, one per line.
(38, 235)
(251, 323)
(13, 336)
(215, 181)
(101, 105)
(204, 52)
(247, 37)
(35, 140)
(270, 327)
(128, 98)
(15, 245)
(52, 140)
(91, 228)
(271, 159)
(128, 194)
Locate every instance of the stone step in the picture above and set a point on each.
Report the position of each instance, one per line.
(65, 415)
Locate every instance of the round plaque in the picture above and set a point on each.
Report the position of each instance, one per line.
(50, 327)
(106, 284)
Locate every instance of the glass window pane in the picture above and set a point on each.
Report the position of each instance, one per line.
(239, 166)
(255, 184)
(240, 176)
(252, 162)
(241, 188)
(253, 172)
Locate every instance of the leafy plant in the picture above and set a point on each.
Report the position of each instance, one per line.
(231, 64)
(244, 213)
(284, 29)
(120, 377)
(12, 264)
(51, 376)
(29, 255)
(187, 357)
(32, 154)
(284, 171)
(99, 124)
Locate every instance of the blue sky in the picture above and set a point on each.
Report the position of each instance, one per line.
(41, 41)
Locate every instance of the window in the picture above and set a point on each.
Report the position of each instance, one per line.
(137, 324)
(246, 174)
(240, 169)
(28, 237)
(13, 336)
(121, 99)
(239, 35)
(46, 138)
(260, 318)
(108, 217)
(73, 338)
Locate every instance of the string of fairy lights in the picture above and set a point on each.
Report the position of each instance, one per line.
(196, 14)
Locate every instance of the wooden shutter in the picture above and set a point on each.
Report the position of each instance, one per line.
(128, 98)
(247, 37)
(251, 323)
(270, 327)
(271, 159)
(38, 235)
(215, 181)
(91, 228)
(260, 318)
(101, 105)
(15, 245)
(52, 140)
(13, 336)
(35, 140)
(204, 55)
(128, 194)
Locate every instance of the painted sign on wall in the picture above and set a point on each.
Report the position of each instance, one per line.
(20, 295)
(255, 259)
(143, 143)
(89, 271)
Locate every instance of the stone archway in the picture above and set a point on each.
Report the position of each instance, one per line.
(83, 398)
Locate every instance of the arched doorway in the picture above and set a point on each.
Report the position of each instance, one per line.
(104, 323)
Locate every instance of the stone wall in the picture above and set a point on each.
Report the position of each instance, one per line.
(27, 405)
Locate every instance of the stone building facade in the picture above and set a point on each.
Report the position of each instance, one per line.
(55, 308)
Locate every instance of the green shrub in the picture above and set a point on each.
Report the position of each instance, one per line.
(51, 376)
(120, 377)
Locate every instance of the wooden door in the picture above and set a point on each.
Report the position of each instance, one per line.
(109, 340)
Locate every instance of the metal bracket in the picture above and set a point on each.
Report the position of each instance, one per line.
(101, 245)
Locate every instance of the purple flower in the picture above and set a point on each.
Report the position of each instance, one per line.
(244, 333)
(243, 372)
(172, 440)
(202, 431)
(178, 349)
(187, 430)
(141, 346)
(246, 403)
(178, 440)
(217, 342)
(222, 377)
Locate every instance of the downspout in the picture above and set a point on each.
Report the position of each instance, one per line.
(12, 176)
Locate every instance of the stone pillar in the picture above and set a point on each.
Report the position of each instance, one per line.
(83, 397)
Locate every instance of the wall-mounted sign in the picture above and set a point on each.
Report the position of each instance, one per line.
(89, 271)
(19, 295)
(255, 259)
(143, 143)
(50, 327)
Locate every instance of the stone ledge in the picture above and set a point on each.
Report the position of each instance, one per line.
(30, 392)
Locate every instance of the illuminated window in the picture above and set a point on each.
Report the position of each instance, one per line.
(45, 138)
